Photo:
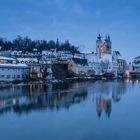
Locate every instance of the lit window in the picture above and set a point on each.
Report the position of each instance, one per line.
(3, 61)
(14, 62)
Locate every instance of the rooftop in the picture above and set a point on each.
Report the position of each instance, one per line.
(80, 61)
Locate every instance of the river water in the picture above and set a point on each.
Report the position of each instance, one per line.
(72, 111)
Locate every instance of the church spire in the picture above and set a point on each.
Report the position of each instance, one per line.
(99, 37)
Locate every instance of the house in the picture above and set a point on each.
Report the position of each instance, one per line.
(27, 60)
(121, 62)
(64, 55)
(36, 71)
(122, 65)
(79, 55)
(12, 70)
(5, 53)
(93, 62)
(48, 57)
(60, 70)
(79, 67)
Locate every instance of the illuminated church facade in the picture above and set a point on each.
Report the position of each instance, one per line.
(103, 47)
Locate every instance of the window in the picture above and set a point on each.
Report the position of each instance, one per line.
(3, 61)
(14, 62)
(2, 76)
(8, 76)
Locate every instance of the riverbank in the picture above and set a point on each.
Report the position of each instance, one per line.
(5, 84)
(57, 81)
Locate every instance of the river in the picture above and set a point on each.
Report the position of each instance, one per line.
(71, 111)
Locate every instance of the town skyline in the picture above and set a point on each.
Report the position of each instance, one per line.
(75, 20)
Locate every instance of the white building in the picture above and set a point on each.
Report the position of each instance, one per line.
(64, 55)
(108, 64)
(79, 55)
(27, 60)
(48, 57)
(102, 64)
(93, 62)
(11, 70)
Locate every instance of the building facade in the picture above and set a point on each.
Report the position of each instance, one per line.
(11, 70)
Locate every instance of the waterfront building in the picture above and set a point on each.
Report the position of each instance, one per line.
(136, 61)
(12, 70)
(122, 65)
(108, 65)
(60, 70)
(104, 56)
(5, 53)
(110, 61)
(36, 71)
(103, 64)
(93, 62)
(133, 69)
(79, 67)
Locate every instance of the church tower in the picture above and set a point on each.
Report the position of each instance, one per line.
(108, 45)
(98, 44)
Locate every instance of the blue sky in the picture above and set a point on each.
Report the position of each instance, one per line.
(79, 21)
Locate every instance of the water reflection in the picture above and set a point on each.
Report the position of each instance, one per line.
(23, 99)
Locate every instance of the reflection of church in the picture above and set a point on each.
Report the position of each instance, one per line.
(103, 104)
(107, 93)
(33, 97)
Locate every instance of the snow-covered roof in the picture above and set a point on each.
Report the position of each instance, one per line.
(137, 58)
(64, 52)
(7, 58)
(106, 58)
(13, 65)
(27, 59)
(92, 57)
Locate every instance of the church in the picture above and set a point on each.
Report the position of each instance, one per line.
(103, 47)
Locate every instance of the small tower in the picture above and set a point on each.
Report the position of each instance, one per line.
(98, 44)
(109, 45)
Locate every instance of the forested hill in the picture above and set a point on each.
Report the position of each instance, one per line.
(26, 44)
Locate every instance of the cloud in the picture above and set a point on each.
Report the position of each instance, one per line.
(79, 10)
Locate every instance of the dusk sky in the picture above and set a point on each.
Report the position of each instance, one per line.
(79, 21)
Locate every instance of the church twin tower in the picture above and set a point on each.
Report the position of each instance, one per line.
(103, 47)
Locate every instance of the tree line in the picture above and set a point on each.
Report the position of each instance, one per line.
(26, 44)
